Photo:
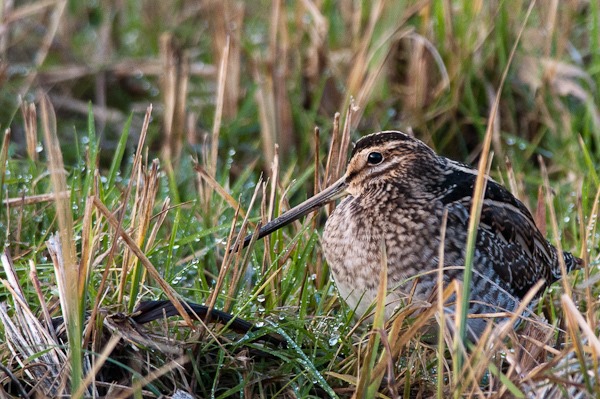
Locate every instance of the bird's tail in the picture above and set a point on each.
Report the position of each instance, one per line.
(572, 262)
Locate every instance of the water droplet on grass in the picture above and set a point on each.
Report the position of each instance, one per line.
(334, 339)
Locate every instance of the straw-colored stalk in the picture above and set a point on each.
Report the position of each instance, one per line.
(62, 248)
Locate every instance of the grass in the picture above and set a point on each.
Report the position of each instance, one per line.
(147, 200)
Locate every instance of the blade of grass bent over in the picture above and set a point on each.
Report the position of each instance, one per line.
(169, 292)
(125, 199)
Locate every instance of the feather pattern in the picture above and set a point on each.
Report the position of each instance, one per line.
(401, 201)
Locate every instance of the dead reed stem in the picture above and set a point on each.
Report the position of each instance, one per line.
(62, 248)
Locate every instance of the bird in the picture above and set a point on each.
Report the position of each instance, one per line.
(397, 192)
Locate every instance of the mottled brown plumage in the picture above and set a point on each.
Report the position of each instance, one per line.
(397, 190)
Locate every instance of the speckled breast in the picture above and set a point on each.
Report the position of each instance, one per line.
(352, 242)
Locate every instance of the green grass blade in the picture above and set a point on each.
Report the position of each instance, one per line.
(305, 362)
(118, 157)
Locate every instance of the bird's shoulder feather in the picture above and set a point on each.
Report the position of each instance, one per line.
(507, 234)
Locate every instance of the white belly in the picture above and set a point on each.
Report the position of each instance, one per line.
(364, 302)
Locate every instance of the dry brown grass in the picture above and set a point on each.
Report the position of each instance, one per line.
(257, 79)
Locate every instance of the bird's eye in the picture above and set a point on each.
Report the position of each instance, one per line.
(374, 158)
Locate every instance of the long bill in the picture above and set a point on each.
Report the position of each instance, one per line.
(331, 193)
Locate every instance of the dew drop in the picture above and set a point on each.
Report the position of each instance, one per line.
(334, 339)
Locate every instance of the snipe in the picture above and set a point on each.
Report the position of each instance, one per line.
(397, 190)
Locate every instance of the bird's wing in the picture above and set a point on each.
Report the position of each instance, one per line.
(507, 236)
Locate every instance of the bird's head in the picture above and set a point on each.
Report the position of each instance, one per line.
(389, 157)
(376, 160)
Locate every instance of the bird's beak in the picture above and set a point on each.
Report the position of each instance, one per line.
(331, 193)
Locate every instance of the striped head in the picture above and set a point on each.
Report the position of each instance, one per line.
(389, 157)
(378, 160)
